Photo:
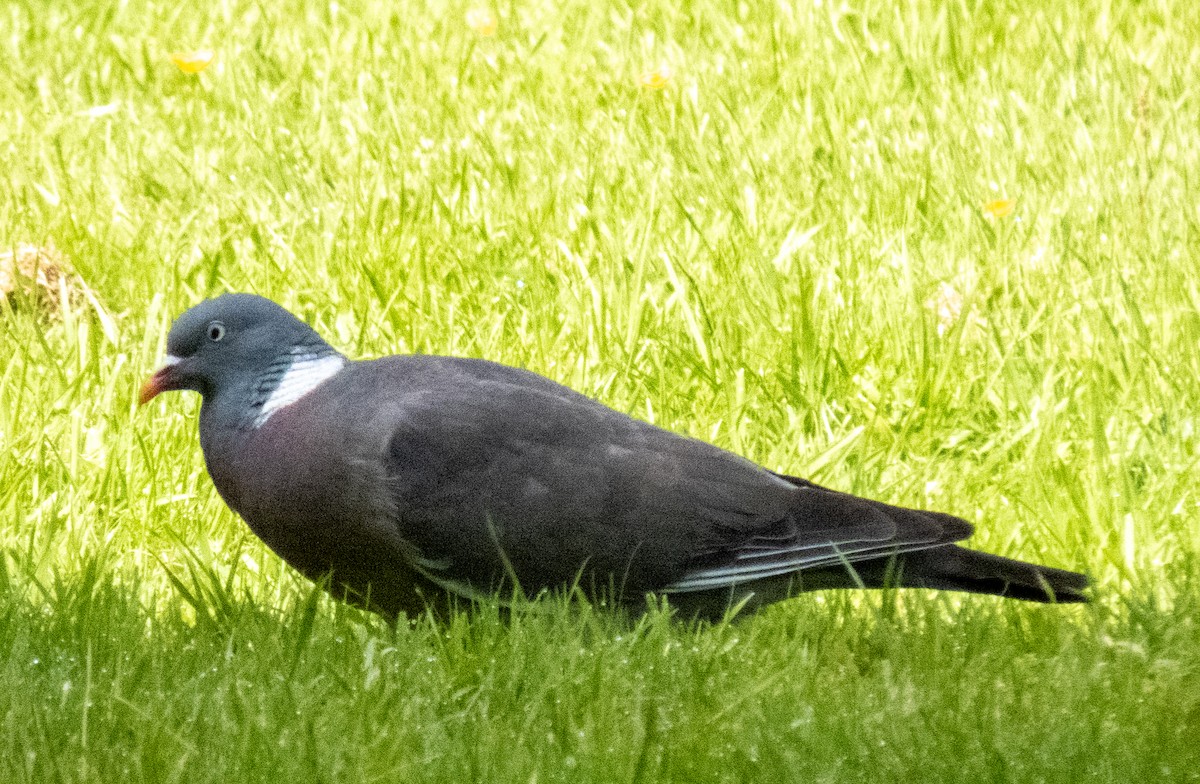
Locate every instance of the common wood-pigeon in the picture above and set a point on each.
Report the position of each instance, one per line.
(409, 479)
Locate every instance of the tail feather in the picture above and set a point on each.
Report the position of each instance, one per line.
(959, 569)
(948, 568)
(951, 567)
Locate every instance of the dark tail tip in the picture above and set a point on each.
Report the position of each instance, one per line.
(959, 569)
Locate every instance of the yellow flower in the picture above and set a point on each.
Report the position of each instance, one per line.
(999, 208)
(656, 78)
(192, 62)
(482, 21)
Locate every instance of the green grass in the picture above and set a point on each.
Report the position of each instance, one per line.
(754, 255)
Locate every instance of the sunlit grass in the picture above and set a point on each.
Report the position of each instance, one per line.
(935, 254)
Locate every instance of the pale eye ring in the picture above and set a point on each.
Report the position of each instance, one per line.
(216, 331)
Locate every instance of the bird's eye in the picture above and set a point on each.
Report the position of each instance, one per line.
(216, 331)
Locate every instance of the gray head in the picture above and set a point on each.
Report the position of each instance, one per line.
(235, 348)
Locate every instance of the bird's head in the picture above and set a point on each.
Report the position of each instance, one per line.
(231, 342)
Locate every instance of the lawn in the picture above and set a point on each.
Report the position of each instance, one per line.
(940, 254)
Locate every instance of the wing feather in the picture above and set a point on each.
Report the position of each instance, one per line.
(824, 528)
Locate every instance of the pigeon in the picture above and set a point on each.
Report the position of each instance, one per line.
(409, 481)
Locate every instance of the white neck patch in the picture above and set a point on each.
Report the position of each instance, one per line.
(307, 372)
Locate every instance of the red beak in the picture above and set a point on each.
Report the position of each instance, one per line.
(162, 381)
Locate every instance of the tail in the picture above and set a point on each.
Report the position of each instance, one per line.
(955, 568)
(947, 568)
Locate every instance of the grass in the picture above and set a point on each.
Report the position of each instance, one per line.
(786, 250)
